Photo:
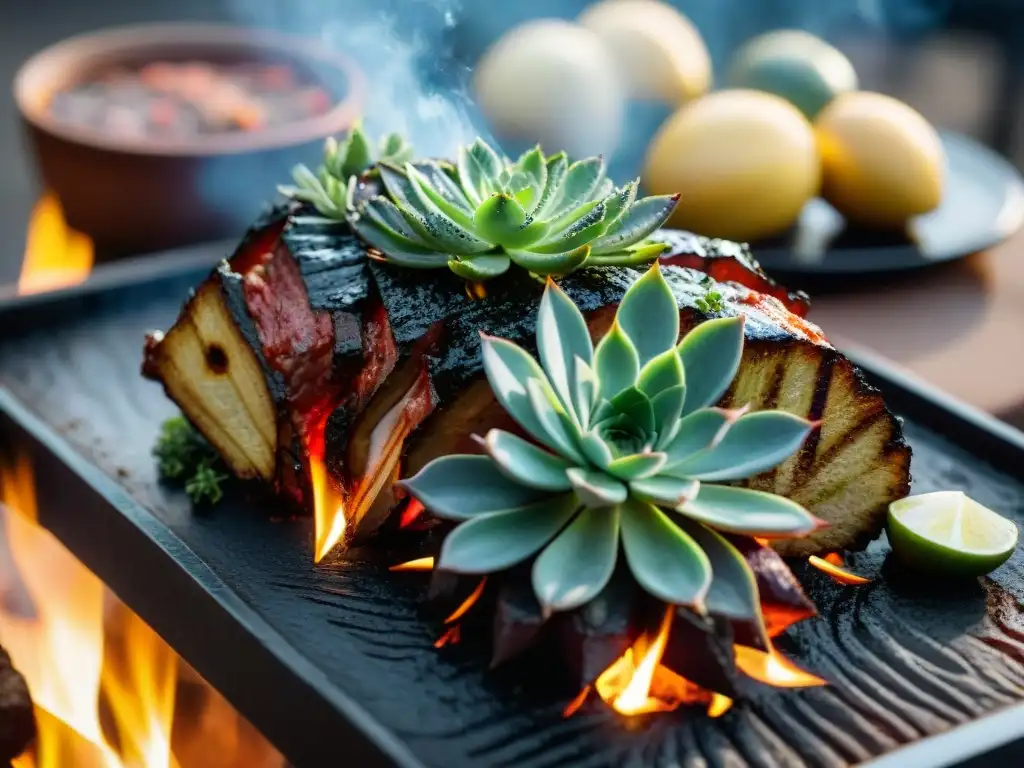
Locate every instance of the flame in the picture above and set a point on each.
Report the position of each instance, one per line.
(55, 255)
(773, 668)
(328, 504)
(59, 647)
(720, 704)
(412, 512)
(829, 565)
(422, 563)
(574, 706)
(468, 603)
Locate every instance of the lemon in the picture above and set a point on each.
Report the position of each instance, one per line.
(949, 533)
(744, 163)
(796, 65)
(658, 49)
(881, 161)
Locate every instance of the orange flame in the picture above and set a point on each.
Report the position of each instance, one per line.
(329, 521)
(412, 512)
(773, 668)
(829, 565)
(720, 704)
(55, 255)
(468, 603)
(451, 635)
(420, 564)
(59, 648)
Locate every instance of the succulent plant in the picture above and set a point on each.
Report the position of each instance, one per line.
(478, 217)
(327, 189)
(626, 445)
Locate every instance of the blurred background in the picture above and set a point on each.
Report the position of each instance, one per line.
(956, 63)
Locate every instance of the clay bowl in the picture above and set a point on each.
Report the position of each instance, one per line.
(140, 194)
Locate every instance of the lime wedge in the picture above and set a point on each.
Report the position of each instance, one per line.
(950, 533)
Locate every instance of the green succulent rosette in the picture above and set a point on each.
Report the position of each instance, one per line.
(625, 445)
(477, 218)
(327, 188)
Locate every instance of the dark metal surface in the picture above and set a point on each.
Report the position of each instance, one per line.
(337, 666)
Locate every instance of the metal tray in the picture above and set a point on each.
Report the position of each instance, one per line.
(336, 664)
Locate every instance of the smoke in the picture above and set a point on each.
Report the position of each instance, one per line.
(404, 47)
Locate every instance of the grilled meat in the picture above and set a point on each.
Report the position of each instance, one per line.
(328, 353)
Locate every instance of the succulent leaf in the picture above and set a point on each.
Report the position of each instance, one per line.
(649, 315)
(754, 513)
(562, 338)
(642, 218)
(596, 450)
(386, 216)
(432, 198)
(636, 407)
(401, 250)
(510, 371)
(665, 561)
(459, 487)
(756, 442)
(698, 432)
(355, 154)
(395, 149)
(663, 490)
(637, 466)
(711, 355)
(618, 202)
(582, 229)
(585, 391)
(553, 264)
(581, 181)
(662, 372)
(500, 540)
(733, 593)
(527, 464)
(479, 167)
(557, 166)
(557, 430)
(534, 165)
(578, 564)
(616, 362)
(595, 489)
(667, 406)
(480, 267)
(634, 256)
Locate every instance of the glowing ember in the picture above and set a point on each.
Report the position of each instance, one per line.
(55, 255)
(476, 290)
(451, 635)
(328, 504)
(468, 603)
(412, 512)
(420, 564)
(833, 569)
(720, 704)
(574, 706)
(773, 668)
(835, 558)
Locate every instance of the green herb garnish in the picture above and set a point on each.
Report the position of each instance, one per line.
(185, 458)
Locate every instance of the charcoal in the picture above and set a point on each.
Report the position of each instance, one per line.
(17, 719)
(700, 649)
(783, 601)
(518, 619)
(595, 635)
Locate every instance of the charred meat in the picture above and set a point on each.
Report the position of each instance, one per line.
(303, 335)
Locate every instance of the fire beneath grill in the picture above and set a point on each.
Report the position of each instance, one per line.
(638, 683)
(108, 692)
(56, 256)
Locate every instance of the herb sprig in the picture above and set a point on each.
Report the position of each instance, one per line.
(185, 458)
